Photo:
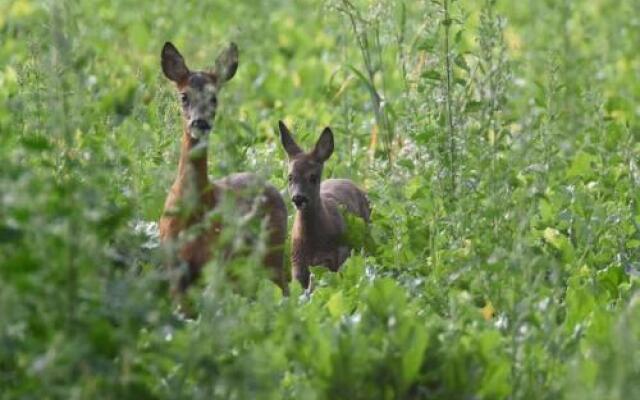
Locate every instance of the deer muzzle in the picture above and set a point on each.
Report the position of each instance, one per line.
(201, 125)
(300, 201)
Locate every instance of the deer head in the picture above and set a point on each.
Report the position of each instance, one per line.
(305, 169)
(199, 89)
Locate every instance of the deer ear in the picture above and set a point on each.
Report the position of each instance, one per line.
(227, 63)
(290, 145)
(324, 145)
(173, 64)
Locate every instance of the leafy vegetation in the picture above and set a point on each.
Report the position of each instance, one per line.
(498, 142)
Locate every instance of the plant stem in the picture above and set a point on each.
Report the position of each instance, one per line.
(60, 56)
(449, 113)
(365, 46)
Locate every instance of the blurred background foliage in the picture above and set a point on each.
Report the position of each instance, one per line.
(498, 141)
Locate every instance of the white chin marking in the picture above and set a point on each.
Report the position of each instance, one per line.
(197, 134)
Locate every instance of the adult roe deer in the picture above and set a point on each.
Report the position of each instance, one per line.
(318, 227)
(193, 195)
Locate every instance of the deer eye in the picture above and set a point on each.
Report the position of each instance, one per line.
(313, 178)
(214, 100)
(290, 178)
(184, 98)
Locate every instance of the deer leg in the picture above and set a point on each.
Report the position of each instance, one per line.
(301, 273)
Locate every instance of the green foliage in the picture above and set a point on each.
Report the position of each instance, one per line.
(498, 142)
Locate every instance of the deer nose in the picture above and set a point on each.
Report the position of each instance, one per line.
(201, 124)
(299, 200)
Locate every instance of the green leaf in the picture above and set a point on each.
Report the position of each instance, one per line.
(432, 74)
(428, 44)
(458, 37)
(583, 165)
(386, 298)
(356, 230)
(473, 106)
(580, 304)
(610, 279)
(319, 271)
(495, 381)
(336, 305)
(413, 187)
(547, 211)
(413, 354)
(9, 234)
(459, 81)
(361, 77)
(461, 62)
(560, 242)
(36, 143)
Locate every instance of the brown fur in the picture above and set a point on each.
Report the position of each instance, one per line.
(319, 226)
(193, 195)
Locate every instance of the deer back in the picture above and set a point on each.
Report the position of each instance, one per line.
(345, 193)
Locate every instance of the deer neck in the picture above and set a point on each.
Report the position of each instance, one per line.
(311, 220)
(192, 166)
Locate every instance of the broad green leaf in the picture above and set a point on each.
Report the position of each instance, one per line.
(555, 238)
(582, 165)
(355, 235)
(413, 354)
(336, 305)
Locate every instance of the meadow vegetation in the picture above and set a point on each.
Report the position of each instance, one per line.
(498, 142)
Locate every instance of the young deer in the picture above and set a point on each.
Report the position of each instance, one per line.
(318, 228)
(193, 195)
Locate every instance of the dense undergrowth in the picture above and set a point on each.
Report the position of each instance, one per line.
(498, 142)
